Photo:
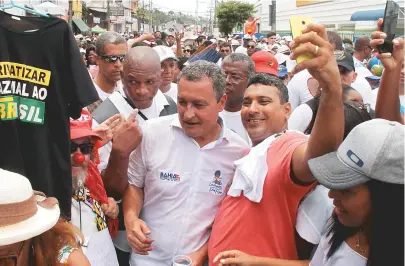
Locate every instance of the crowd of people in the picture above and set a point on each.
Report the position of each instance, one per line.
(227, 151)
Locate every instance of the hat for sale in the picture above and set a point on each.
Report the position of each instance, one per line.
(81, 127)
(345, 60)
(21, 218)
(372, 150)
(165, 52)
(282, 71)
(265, 63)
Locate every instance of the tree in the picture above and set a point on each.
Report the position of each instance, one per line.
(232, 14)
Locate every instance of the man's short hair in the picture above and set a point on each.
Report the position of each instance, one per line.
(225, 44)
(361, 42)
(200, 39)
(347, 40)
(108, 37)
(268, 80)
(270, 34)
(335, 39)
(238, 57)
(201, 69)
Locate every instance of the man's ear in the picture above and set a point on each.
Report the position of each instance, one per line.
(287, 110)
(354, 77)
(221, 102)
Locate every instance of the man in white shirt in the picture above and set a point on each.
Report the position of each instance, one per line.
(178, 174)
(225, 49)
(167, 58)
(111, 48)
(141, 79)
(362, 51)
(243, 48)
(238, 69)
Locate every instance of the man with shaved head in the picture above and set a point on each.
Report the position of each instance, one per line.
(362, 51)
(141, 79)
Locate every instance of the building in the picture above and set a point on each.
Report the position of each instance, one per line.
(335, 14)
(263, 10)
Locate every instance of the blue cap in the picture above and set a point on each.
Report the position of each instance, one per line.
(373, 77)
(282, 71)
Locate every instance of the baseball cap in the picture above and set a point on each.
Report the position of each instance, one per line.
(345, 60)
(247, 37)
(373, 77)
(282, 71)
(81, 127)
(165, 53)
(265, 63)
(372, 150)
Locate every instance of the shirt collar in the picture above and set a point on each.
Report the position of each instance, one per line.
(160, 101)
(224, 134)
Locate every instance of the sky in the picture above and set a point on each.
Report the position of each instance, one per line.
(185, 6)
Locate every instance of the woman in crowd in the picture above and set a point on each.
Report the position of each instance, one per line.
(91, 61)
(31, 232)
(187, 51)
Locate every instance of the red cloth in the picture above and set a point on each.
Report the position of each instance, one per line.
(96, 187)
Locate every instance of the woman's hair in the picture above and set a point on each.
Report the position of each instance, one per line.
(354, 113)
(386, 238)
(48, 244)
(181, 61)
(88, 50)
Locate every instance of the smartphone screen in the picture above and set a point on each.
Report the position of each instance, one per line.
(390, 19)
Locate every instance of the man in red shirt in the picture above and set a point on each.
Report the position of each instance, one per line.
(259, 213)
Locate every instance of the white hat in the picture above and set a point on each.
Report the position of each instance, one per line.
(247, 37)
(18, 201)
(213, 41)
(281, 58)
(235, 42)
(165, 52)
(88, 39)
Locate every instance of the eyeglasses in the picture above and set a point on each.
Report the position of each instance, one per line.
(225, 51)
(112, 58)
(251, 46)
(187, 51)
(85, 148)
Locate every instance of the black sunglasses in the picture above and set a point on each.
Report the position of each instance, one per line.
(85, 148)
(112, 58)
(225, 51)
(187, 51)
(251, 46)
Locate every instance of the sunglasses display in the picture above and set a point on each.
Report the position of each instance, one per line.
(85, 148)
(112, 58)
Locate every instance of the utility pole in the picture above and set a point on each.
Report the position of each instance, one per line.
(273, 16)
(70, 14)
(108, 15)
(196, 15)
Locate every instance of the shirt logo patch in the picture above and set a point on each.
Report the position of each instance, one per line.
(169, 177)
(215, 186)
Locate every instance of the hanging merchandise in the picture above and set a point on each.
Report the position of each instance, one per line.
(43, 82)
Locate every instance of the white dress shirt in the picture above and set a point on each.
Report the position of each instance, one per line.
(183, 184)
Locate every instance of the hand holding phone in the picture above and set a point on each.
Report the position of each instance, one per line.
(389, 26)
(297, 24)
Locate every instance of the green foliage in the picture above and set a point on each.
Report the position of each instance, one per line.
(232, 14)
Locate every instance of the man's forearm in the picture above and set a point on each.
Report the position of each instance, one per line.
(132, 202)
(327, 133)
(387, 106)
(115, 177)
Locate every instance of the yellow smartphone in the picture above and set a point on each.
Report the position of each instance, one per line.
(297, 24)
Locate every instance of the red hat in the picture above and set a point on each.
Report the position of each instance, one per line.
(82, 127)
(265, 62)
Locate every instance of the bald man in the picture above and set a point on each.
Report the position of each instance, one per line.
(362, 51)
(141, 78)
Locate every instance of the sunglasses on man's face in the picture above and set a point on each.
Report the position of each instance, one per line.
(186, 51)
(225, 51)
(85, 148)
(251, 46)
(112, 58)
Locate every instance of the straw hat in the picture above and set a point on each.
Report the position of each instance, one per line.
(21, 218)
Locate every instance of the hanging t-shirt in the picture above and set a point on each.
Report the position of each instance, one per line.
(43, 82)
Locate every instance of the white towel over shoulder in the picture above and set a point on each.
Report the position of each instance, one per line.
(251, 171)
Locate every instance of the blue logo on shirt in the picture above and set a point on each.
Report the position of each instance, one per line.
(216, 183)
(169, 177)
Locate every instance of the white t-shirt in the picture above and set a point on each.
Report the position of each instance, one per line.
(401, 100)
(180, 195)
(300, 118)
(172, 92)
(361, 69)
(233, 121)
(343, 256)
(362, 86)
(241, 50)
(298, 91)
(104, 95)
(313, 214)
